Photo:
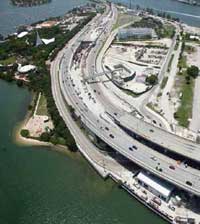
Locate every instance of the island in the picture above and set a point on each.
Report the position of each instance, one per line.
(29, 3)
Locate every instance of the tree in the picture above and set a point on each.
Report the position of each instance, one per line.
(45, 137)
(19, 83)
(187, 78)
(193, 71)
(25, 133)
(30, 107)
(152, 80)
(54, 140)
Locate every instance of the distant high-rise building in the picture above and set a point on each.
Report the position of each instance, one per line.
(130, 6)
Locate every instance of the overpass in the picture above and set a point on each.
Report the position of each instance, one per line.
(147, 158)
(160, 137)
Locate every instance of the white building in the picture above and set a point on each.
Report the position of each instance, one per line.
(156, 186)
(26, 68)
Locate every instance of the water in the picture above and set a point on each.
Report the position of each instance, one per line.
(38, 186)
(12, 16)
(187, 13)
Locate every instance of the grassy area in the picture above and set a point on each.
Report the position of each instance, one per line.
(176, 46)
(125, 19)
(186, 87)
(168, 31)
(184, 112)
(182, 62)
(153, 107)
(164, 82)
(8, 61)
(130, 93)
(170, 63)
(42, 106)
(162, 30)
(165, 31)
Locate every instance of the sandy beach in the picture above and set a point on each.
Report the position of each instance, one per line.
(21, 141)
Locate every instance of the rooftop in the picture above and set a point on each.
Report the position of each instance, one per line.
(163, 188)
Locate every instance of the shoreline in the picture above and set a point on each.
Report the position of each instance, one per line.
(23, 142)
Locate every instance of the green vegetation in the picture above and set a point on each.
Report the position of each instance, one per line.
(162, 30)
(186, 37)
(159, 94)
(8, 76)
(193, 71)
(8, 61)
(25, 133)
(29, 2)
(189, 49)
(186, 81)
(184, 112)
(182, 62)
(164, 82)
(152, 80)
(176, 46)
(123, 19)
(166, 31)
(130, 93)
(42, 106)
(24, 49)
(153, 107)
(170, 63)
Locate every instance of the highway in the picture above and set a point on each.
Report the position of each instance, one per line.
(103, 127)
(165, 139)
(158, 136)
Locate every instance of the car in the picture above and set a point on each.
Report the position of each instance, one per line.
(188, 183)
(134, 147)
(153, 158)
(172, 167)
(151, 130)
(171, 207)
(130, 149)
(107, 128)
(112, 136)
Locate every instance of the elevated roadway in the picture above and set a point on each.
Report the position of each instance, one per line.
(157, 163)
(160, 137)
(156, 135)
